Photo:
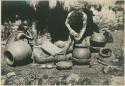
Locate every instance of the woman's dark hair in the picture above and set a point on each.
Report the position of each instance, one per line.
(76, 21)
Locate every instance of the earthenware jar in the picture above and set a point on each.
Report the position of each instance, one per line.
(18, 52)
(106, 55)
(81, 52)
(98, 40)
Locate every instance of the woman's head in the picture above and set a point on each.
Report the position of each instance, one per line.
(76, 20)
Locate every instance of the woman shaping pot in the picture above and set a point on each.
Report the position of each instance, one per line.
(74, 22)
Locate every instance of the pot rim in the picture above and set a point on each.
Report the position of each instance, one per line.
(96, 41)
(103, 55)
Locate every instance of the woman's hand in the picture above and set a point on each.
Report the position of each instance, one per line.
(74, 34)
(77, 39)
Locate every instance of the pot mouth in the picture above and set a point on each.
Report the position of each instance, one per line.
(105, 52)
(9, 57)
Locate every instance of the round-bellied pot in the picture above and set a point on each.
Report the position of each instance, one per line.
(81, 52)
(18, 53)
(97, 40)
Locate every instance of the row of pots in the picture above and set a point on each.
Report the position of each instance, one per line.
(82, 52)
(94, 44)
(20, 52)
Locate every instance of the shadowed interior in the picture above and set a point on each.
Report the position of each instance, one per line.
(9, 57)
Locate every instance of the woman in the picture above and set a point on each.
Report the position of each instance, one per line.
(74, 22)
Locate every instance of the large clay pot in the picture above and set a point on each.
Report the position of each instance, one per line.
(18, 53)
(81, 52)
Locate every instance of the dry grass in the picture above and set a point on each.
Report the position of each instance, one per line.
(118, 43)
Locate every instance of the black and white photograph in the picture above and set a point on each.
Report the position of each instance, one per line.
(62, 42)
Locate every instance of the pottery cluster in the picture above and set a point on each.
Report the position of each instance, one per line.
(19, 52)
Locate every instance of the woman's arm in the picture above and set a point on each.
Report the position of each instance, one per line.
(84, 26)
(71, 31)
(67, 20)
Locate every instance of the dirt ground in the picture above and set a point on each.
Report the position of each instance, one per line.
(94, 76)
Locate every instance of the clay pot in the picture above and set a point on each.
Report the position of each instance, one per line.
(81, 52)
(105, 52)
(106, 55)
(18, 53)
(97, 40)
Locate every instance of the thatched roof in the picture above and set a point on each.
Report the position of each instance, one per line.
(67, 4)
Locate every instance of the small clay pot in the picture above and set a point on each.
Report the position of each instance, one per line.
(18, 53)
(105, 52)
(106, 55)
